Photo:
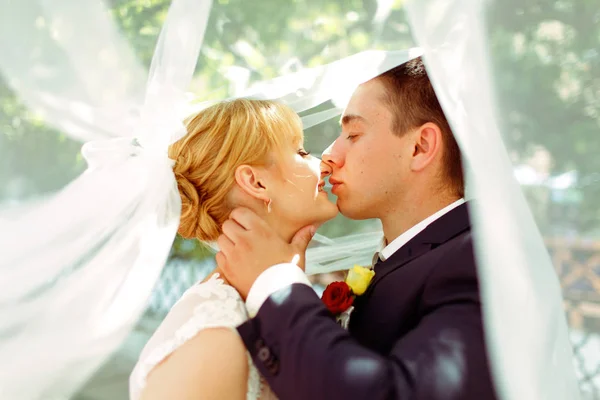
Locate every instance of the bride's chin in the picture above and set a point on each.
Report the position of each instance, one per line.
(323, 211)
(331, 213)
(320, 222)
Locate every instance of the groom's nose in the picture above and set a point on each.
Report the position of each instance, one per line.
(332, 157)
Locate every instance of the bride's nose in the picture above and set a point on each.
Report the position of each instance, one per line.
(326, 170)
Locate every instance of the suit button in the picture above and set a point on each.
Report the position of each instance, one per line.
(272, 366)
(259, 344)
(264, 354)
(269, 362)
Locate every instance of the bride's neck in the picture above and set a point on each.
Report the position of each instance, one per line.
(279, 225)
(275, 223)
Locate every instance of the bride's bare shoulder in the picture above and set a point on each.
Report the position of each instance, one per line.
(197, 346)
(212, 364)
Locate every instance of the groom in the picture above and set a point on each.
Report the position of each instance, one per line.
(417, 332)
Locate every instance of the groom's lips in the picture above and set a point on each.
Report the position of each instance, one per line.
(335, 184)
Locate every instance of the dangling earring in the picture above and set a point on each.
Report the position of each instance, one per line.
(269, 205)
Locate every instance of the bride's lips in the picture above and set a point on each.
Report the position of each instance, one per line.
(335, 184)
(321, 186)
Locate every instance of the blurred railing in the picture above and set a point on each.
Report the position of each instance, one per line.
(577, 264)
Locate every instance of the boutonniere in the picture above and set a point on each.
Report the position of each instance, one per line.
(339, 296)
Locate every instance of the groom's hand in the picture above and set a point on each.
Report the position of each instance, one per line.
(248, 247)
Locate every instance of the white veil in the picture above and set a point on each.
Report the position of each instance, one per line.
(82, 251)
(526, 330)
(102, 240)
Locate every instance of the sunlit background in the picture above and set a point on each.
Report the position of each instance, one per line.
(546, 63)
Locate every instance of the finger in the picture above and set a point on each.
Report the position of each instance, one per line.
(233, 230)
(222, 263)
(248, 219)
(303, 237)
(300, 242)
(225, 245)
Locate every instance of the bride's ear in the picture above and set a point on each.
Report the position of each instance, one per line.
(252, 181)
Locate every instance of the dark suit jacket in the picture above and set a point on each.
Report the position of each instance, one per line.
(415, 334)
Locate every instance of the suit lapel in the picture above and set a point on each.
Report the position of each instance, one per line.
(438, 232)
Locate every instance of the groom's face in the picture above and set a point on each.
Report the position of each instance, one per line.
(368, 162)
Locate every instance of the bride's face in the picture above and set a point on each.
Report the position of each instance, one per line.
(296, 189)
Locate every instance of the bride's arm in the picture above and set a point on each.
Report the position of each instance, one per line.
(212, 365)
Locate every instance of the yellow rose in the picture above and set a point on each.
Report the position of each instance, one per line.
(359, 279)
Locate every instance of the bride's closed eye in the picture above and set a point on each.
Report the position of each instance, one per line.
(303, 153)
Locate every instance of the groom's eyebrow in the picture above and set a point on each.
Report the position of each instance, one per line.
(349, 118)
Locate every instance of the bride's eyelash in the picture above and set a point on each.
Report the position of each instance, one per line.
(303, 153)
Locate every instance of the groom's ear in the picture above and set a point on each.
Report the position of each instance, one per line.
(252, 181)
(427, 146)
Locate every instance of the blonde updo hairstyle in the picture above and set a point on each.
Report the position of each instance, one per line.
(219, 139)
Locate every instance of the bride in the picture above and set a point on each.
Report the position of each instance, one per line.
(236, 153)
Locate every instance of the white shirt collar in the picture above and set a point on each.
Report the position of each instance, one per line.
(396, 244)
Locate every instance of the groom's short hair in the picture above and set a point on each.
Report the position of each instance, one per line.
(413, 102)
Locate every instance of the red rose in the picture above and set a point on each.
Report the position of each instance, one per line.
(337, 297)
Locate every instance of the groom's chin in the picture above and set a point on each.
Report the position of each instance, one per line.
(349, 212)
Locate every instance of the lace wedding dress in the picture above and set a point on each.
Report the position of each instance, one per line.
(209, 304)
